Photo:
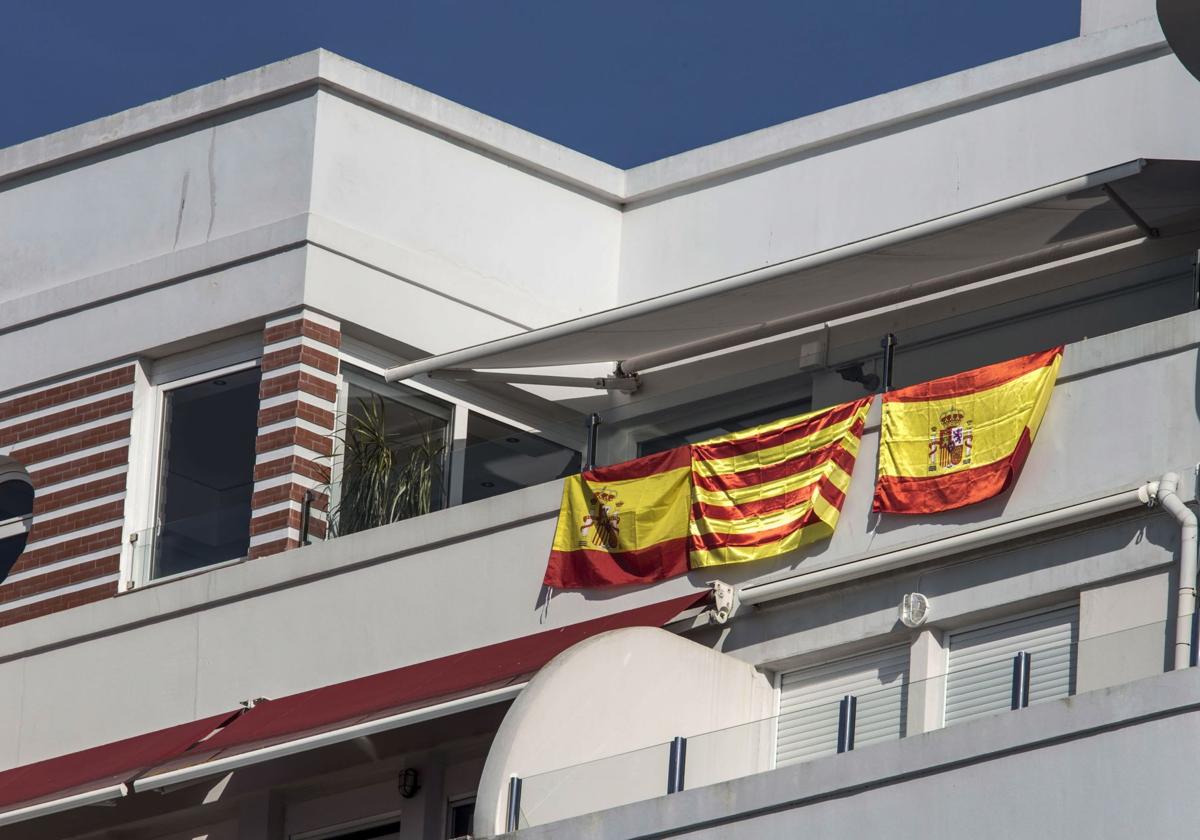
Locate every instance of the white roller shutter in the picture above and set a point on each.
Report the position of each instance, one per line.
(979, 679)
(808, 704)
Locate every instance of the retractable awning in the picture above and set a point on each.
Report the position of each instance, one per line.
(1121, 204)
(312, 719)
(382, 702)
(96, 775)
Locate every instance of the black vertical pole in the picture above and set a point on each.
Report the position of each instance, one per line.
(847, 712)
(677, 765)
(589, 457)
(305, 516)
(512, 820)
(1020, 680)
(888, 343)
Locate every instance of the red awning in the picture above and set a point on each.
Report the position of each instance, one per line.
(205, 746)
(343, 705)
(47, 782)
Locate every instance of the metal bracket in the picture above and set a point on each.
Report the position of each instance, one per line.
(724, 601)
(1115, 198)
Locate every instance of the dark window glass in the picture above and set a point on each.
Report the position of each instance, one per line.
(207, 473)
(499, 458)
(375, 832)
(723, 427)
(462, 816)
(394, 458)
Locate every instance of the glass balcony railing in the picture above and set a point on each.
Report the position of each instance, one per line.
(836, 724)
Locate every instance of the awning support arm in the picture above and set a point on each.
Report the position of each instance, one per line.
(616, 382)
(1115, 197)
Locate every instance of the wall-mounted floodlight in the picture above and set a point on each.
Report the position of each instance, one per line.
(16, 512)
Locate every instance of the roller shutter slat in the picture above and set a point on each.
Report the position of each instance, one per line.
(979, 680)
(809, 698)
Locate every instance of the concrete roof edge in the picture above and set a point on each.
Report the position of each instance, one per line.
(321, 68)
(317, 68)
(695, 167)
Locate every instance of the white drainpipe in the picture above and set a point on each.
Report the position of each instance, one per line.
(1186, 601)
(1154, 492)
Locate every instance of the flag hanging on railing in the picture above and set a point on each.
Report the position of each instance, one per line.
(767, 490)
(961, 439)
(623, 524)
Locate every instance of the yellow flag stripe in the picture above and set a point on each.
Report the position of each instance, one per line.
(778, 454)
(999, 416)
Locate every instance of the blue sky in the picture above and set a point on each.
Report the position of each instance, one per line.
(626, 81)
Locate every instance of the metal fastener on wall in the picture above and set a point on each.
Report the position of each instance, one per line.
(677, 765)
(512, 820)
(1020, 680)
(305, 516)
(847, 712)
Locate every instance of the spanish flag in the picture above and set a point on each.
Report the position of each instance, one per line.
(961, 439)
(768, 490)
(623, 524)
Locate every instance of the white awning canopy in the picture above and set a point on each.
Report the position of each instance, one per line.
(1118, 205)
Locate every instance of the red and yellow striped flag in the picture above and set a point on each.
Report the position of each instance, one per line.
(961, 439)
(623, 524)
(770, 489)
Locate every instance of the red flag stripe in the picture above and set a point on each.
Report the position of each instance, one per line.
(647, 465)
(585, 568)
(794, 498)
(801, 463)
(778, 437)
(972, 381)
(901, 494)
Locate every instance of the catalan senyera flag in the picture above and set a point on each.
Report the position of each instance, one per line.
(623, 524)
(767, 490)
(961, 439)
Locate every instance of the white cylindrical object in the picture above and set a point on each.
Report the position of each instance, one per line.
(54, 806)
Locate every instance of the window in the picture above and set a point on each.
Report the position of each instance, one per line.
(980, 663)
(460, 816)
(206, 473)
(809, 703)
(395, 455)
(499, 458)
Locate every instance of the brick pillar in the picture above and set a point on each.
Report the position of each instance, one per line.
(73, 437)
(297, 406)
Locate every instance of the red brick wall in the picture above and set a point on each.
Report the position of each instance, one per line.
(295, 423)
(74, 439)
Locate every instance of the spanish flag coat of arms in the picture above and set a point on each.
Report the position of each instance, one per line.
(961, 439)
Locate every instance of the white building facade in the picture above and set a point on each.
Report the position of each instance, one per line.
(210, 303)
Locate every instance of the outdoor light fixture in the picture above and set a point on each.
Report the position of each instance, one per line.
(854, 373)
(410, 782)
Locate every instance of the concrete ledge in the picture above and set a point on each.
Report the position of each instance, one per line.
(937, 752)
(248, 579)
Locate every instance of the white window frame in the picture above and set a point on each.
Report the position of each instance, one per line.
(451, 803)
(145, 473)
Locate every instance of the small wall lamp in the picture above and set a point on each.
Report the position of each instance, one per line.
(410, 782)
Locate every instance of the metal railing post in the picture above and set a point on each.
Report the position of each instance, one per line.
(1020, 680)
(888, 343)
(512, 819)
(847, 712)
(676, 767)
(589, 456)
(305, 516)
